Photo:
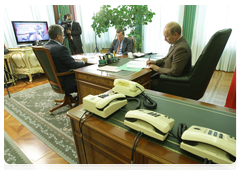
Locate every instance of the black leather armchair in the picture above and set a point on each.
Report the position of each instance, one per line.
(194, 84)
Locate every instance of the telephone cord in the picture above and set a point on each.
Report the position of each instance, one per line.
(80, 128)
(205, 163)
(148, 102)
(209, 164)
(181, 128)
(132, 99)
(139, 134)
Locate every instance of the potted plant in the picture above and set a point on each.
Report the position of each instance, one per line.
(125, 17)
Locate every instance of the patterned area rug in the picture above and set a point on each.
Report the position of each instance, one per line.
(31, 108)
(12, 154)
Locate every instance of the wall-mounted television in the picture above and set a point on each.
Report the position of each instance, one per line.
(28, 32)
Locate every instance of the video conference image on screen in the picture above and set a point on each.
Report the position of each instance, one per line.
(31, 31)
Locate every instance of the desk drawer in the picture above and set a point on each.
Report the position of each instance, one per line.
(144, 80)
(95, 80)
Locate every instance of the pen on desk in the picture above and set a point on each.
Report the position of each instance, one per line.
(149, 58)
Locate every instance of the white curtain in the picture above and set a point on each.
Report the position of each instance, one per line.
(84, 17)
(24, 13)
(209, 19)
(153, 32)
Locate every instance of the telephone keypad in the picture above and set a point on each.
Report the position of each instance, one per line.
(221, 135)
(210, 132)
(103, 95)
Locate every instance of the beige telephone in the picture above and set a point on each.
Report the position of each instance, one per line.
(105, 104)
(211, 144)
(150, 123)
(129, 88)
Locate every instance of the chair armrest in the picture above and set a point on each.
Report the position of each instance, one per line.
(66, 73)
(181, 79)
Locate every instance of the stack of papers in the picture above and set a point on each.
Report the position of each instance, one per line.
(139, 54)
(109, 68)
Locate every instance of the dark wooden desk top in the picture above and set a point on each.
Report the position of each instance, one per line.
(150, 149)
(91, 69)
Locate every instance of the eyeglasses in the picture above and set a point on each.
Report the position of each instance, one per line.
(119, 36)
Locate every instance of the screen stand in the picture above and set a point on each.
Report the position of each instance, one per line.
(25, 45)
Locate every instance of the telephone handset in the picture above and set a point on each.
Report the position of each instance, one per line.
(211, 144)
(150, 123)
(105, 104)
(129, 88)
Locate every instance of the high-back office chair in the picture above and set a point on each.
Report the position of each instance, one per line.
(133, 41)
(45, 59)
(194, 84)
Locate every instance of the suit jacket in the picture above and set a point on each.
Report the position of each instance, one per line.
(64, 62)
(178, 59)
(75, 33)
(126, 47)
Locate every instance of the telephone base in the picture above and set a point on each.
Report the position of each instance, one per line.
(90, 101)
(145, 128)
(207, 151)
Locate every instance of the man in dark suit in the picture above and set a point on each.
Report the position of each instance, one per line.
(75, 33)
(62, 59)
(178, 60)
(121, 45)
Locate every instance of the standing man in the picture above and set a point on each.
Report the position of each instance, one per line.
(178, 60)
(62, 59)
(75, 33)
(121, 45)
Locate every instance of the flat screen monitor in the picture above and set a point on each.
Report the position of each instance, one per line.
(28, 32)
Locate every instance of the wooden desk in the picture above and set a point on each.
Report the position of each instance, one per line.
(107, 143)
(93, 81)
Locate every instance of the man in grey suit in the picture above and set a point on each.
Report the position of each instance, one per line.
(121, 45)
(178, 60)
(75, 33)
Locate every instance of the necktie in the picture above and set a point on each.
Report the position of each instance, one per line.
(118, 47)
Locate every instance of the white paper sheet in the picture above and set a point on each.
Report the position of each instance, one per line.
(137, 64)
(109, 68)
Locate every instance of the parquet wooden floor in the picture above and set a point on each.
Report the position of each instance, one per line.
(39, 153)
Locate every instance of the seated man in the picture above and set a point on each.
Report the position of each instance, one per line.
(62, 58)
(178, 60)
(121, 45)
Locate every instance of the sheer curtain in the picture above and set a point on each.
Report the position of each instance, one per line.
(153, 32)
(209, 19)
(84, 14)
(24, 13)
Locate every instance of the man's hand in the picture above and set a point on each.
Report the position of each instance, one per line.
(150, 62)
(68, 31)
(154, 67)
(84, 59)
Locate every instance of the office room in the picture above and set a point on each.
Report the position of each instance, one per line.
(153, 111)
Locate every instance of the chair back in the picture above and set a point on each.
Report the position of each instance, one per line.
(203, 69)
(45, 59)
(133, 41)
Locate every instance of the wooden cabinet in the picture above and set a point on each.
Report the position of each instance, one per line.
(109, 141)
(104, 143)
(24, 61)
